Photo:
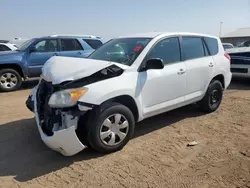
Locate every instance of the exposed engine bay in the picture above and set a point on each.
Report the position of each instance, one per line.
(54, 119)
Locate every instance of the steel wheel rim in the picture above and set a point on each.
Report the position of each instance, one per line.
(114, 129)
(8, 80)
(215, 97)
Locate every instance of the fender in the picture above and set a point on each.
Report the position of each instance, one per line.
(14, 58)
(100, 92)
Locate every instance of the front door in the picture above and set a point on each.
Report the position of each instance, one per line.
(42, 51)
(165, 88)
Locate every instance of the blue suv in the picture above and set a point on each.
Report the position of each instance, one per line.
(27, 61)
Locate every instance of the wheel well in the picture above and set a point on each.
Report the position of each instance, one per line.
(13, 66)
(220, 78)
(129, 102)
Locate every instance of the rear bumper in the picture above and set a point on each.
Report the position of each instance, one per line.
(240, 70)
(228, 79)
(64, 141)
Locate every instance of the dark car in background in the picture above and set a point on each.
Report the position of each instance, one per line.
(240, 61)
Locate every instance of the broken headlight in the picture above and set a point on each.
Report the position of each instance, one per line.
(66, 98)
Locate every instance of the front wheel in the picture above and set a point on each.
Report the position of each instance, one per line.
(110, 127)
(213, 97)
(10, 80)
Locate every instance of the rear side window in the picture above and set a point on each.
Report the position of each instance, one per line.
(212, 45)
(93, 43)
(192, 48)
(70, 45)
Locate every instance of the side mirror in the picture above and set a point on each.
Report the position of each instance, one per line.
(32, 49)
(153, 64)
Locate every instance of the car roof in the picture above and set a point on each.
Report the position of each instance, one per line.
(7, 44)
(163, 34)
(71, 36)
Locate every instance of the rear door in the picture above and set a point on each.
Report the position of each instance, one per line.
(71, 47)
(200, 65)
(43, 50)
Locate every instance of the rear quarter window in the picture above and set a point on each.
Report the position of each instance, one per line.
(93, 43)
(212, 45)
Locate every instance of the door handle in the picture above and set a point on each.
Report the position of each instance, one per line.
(211, 64)
(55, 54)
(79, 53)
(181, 71)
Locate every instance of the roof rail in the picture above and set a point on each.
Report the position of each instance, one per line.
(70, 35)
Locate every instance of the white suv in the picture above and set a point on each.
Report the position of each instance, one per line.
(96, 101)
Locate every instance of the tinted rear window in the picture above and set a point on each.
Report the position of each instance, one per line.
(93, 43)
(192, 48)
(212, 45)
(70, 45)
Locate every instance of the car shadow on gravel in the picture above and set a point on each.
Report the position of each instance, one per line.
(24, 156)
(29, 84)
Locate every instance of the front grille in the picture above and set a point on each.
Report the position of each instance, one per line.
(239, 70)
(240, 61)
(46, 114)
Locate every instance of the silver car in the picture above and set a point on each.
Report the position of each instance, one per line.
(240, 61)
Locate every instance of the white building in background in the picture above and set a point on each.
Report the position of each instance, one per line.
(237, 37)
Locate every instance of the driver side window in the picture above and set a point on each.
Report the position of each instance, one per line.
(167, 49)
(46, 46)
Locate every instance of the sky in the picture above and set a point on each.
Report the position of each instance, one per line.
(111, 18)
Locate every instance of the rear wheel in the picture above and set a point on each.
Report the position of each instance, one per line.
(213, 97)
(10, 80)
(110, 127)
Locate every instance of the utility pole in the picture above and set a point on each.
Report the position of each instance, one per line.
(220, 28)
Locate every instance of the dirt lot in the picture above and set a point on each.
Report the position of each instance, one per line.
(157, 156)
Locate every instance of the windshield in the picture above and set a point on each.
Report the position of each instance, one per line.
(25, 45)
(123, 50)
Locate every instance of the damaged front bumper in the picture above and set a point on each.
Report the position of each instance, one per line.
(62, 136)
(30, 101)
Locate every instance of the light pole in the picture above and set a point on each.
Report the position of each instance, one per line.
(220, 28)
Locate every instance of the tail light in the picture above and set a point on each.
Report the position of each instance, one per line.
(227, 56)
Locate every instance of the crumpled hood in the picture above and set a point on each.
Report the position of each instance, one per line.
(59, 69)
(11, 56)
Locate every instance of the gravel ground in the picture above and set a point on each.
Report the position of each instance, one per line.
(157, 156)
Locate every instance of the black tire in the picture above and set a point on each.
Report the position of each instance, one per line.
(208, 103)
(95, 122)
(18, 78)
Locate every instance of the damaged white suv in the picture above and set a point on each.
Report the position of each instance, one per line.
(95, 102)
